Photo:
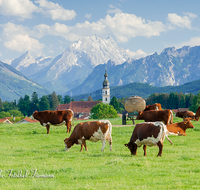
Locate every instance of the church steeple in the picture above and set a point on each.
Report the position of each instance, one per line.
(106, 89)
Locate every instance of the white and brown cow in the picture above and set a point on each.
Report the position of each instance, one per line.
(161, 115)
(148, 134)
(58, 117)
(156, 106)
(179, 128)
(92, 131)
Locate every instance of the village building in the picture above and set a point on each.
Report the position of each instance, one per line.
(106, 89)
(82, 109)
(28, 120)
(5, 120)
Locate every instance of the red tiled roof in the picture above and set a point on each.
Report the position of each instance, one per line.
(79, 106)
(29, 120)
(5, 121)
(174, 110)
(183, 109)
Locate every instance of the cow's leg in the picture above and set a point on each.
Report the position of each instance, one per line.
(110, 142)
(68, 128)
(144, 148)
(134, 149)
(103, 144)
(83, 144)
(160, 145)
(48, 127)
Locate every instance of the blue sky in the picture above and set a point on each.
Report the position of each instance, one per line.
(47, 27)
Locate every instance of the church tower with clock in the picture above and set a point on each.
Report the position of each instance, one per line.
(106, 89)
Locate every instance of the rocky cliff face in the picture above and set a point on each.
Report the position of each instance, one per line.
(171, 68)
(71, 68)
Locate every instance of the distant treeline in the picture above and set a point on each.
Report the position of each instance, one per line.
(27, 105)
(172, 100)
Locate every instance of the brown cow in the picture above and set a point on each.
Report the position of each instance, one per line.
(179, 128)
(59, 117)
(156, 106)
(92, 131)
(185, 114)
(148, 134)
(162, 115)
(197, 115)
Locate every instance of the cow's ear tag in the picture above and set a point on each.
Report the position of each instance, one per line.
(126, 145)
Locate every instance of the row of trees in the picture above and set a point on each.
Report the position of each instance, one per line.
(27, 105)
(172, 100)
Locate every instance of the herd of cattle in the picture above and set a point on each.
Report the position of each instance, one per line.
(158, 125)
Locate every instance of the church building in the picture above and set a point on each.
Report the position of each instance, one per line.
(106, 89)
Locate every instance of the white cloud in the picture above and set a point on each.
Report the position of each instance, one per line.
(122, 25)
(110, 11)
(88, 16)
(183, 22)
(113, 10)
(20, 8)
(138, 54)
(192, 42)
(17, 38)
(55, 11)
(8, 61)
(23, 43)
(191, 15)
(0, 54)
(125, 26)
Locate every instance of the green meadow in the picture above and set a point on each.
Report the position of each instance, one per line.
(31, 159)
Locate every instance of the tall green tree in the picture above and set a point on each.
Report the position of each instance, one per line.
(4, 114)
(101, 110)
(60, 99)
(44, 103)
(1, 105)
(24, 105)
(54, 102)
(114, 102)
(15, 113)
(195, 103)
(34, 104)
(66, 99)
(90, 98)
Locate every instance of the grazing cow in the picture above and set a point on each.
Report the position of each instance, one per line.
(179, 128)
(156, 106)
(59, 117)
(148, 134)
(185, 114)
(92, 131)
(162, 115)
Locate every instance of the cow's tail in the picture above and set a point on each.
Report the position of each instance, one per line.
(166, 132)
(171, 118)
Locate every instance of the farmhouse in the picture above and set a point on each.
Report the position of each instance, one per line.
(28, 120)
(5, 120)
(81, 109)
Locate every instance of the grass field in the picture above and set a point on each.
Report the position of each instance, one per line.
(31, 159)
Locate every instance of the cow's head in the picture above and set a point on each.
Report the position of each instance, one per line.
(35, 114)
(132, 147)
(68, 144)
(140, 115)
(178, 114)
(188, 124)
